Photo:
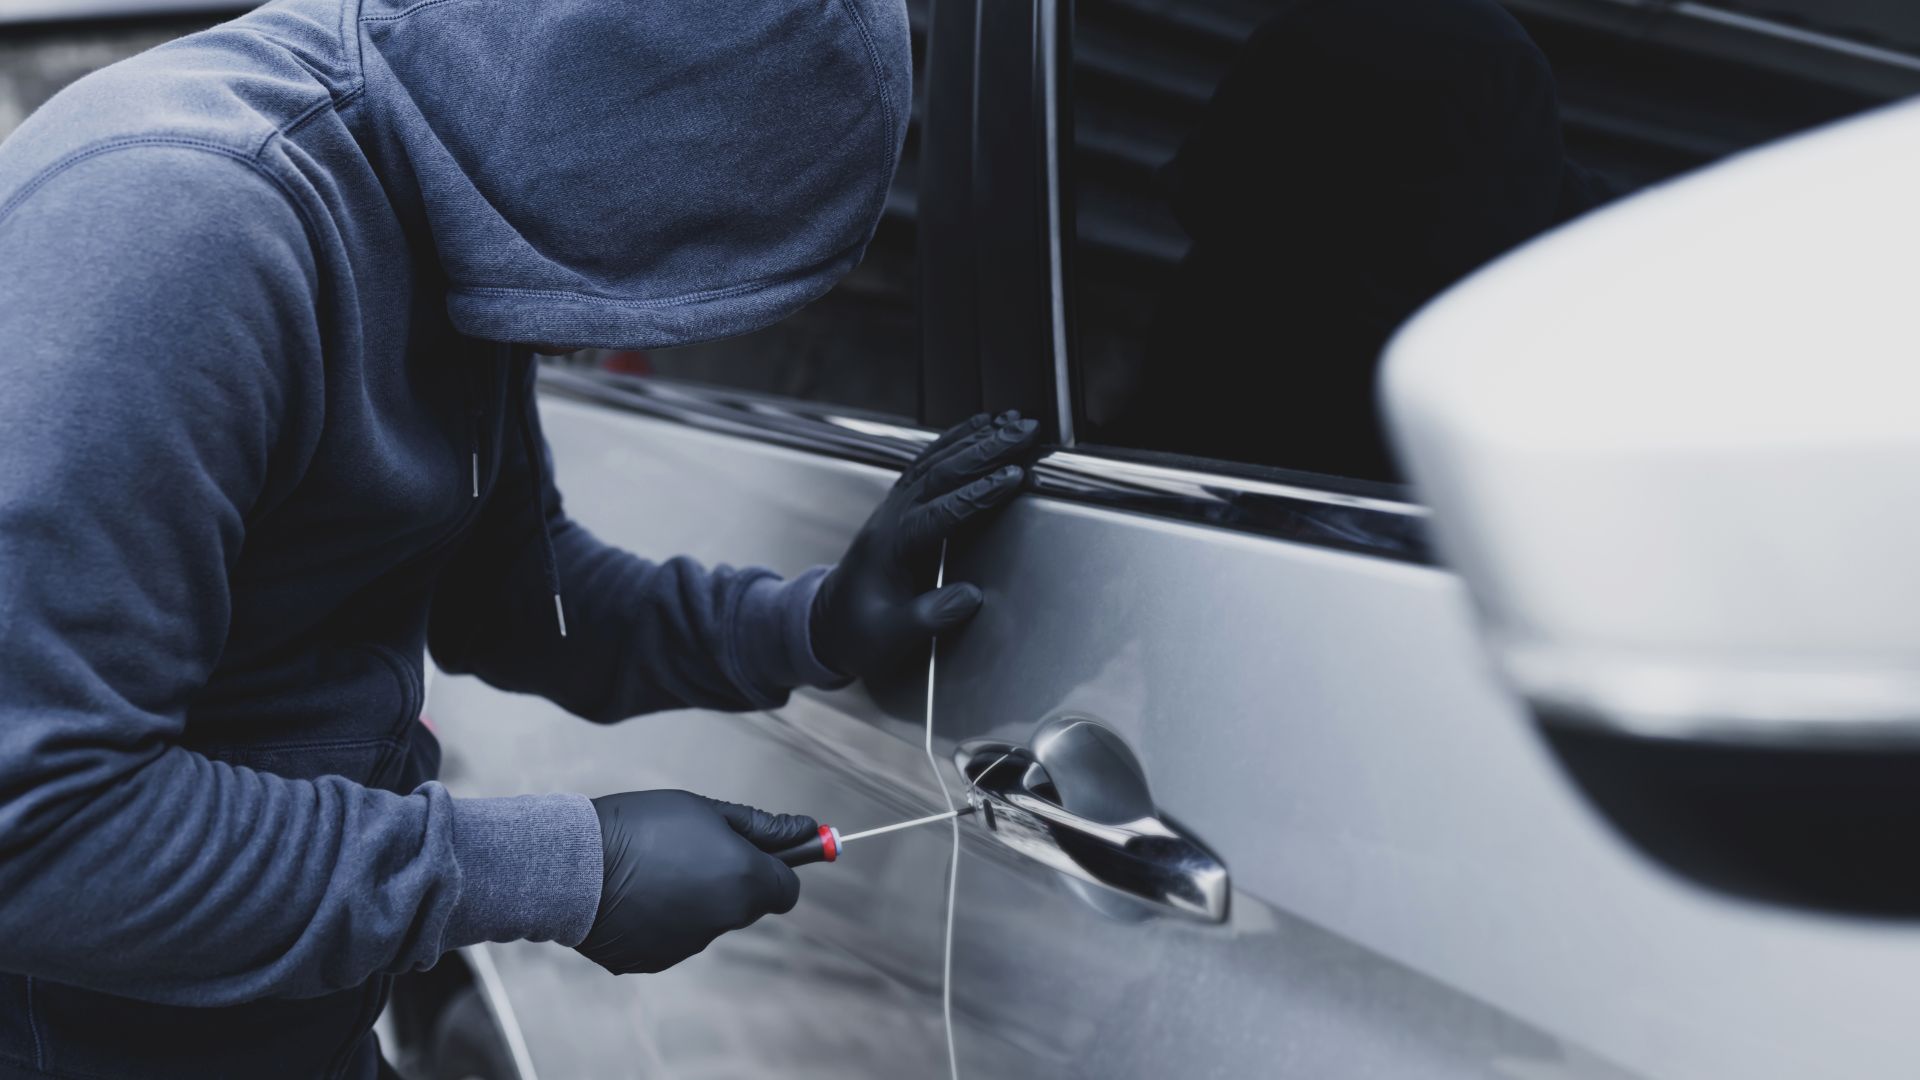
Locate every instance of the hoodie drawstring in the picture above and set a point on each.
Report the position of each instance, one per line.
(521, 402)
(524, 399)
(474, 415)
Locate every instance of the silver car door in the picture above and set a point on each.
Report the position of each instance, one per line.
(1260, 808)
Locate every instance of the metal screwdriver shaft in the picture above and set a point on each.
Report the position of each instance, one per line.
(825, 847)
(928, 820)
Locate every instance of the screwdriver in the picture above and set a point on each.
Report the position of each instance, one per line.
(824, 846)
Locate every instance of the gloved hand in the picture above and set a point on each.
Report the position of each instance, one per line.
(682, 869)
(873, 611)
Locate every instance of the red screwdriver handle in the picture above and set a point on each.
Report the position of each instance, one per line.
(823, 846)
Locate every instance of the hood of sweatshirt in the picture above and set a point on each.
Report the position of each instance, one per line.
(634, 173)
(267, 438)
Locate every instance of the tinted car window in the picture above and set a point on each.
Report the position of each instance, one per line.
(858, 347)
(1263, 191)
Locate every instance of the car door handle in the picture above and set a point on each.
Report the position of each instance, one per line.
(1146, 858)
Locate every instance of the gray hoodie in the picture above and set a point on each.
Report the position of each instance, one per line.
(258, 452)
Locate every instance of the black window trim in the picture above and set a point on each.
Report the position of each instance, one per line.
(1293, 507)
(1051, 17)
(987, 297)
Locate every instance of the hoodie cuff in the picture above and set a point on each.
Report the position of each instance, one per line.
(529, 869)
(776, 637)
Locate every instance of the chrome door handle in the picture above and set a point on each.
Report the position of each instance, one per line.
(1145, 858)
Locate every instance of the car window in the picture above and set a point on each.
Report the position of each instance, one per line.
(1262, 191)
(858, 347)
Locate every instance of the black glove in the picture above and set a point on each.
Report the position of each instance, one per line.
(682, 869)
(873, 610)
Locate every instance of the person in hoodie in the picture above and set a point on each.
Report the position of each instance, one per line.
(268, 433)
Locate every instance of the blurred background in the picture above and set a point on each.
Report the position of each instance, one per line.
(46, 44)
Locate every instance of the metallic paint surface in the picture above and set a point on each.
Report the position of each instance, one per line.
(1418, 891)
(1445, 904)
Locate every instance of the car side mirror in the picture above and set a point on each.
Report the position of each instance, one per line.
(1674, 451)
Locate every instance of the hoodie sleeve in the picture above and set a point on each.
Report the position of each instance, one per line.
(160, 342)
(641, 636)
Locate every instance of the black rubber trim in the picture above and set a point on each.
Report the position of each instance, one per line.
(985, 273)
(1012, 264)
(1283, 506)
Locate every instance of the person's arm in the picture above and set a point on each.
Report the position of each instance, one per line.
(641, 636)
(645, 636)
(161, 350)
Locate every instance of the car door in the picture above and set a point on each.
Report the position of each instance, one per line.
(1255, 805)
(769, 449)
(864, 939)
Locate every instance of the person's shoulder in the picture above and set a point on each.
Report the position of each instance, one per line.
(153, 206)
(170, 252)
(148, 286)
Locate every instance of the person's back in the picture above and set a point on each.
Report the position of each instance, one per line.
(259, 450)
